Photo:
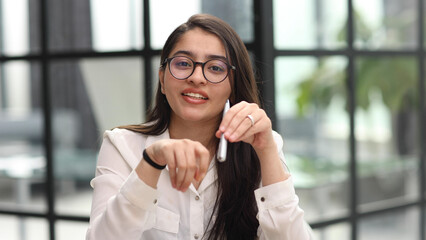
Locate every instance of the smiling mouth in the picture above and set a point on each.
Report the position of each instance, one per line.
(195, 95)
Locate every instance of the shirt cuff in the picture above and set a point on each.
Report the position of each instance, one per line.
(274, 195)
(138, 192)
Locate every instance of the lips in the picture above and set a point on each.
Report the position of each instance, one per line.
(195, 94)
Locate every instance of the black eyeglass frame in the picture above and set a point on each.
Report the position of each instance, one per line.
(168, 60)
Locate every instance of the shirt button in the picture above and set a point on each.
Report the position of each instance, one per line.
(197, 198)
(262, 199)
(196, 236)
(155, 201)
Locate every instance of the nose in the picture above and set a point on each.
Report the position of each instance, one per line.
(197, 77)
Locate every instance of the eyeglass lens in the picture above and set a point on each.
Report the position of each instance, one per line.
(214, 70)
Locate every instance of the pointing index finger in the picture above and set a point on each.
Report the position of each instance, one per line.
(203, 164)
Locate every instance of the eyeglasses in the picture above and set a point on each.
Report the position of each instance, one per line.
(214, 70)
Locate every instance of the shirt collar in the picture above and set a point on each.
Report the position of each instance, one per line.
(153, 138)
(210, 177)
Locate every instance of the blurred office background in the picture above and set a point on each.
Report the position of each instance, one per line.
(342, 80)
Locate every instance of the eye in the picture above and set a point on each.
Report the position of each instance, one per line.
(216, 66)
(182, 63)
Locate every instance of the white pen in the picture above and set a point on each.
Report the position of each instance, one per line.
(223, 144)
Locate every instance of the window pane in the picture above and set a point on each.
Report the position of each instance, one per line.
(155, 61)
(89, 96)
(385, 24)
(69, 25)
(22, 160)
(341, 231)
(395, 225)
(19, 27)
(387, 130)
(164, 20)
(67, 230)
(310, 105)
(18, 228)
(238, 13)
(116, 24)
(307, 24)
(424, 228)
(99, 25)
(423, 127)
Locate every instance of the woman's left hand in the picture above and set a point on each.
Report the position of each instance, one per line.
(237, 126)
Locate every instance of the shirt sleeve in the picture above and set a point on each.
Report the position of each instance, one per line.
(279, 214)
(122, 205)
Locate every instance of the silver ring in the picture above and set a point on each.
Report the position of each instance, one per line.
(251, 119)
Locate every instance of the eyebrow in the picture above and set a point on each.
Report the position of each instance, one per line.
(211, 56)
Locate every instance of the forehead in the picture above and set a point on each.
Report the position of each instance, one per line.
(199, 44)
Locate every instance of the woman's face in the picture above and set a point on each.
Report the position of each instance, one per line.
(195, 99)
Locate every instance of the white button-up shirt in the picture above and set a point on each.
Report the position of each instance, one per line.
(124, 207)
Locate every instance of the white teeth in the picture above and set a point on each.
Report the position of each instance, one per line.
(195, 95)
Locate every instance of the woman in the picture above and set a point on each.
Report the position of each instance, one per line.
(161, 180)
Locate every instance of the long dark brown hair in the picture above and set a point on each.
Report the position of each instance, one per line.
(235, 207)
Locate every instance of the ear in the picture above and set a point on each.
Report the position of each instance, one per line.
(161, 76)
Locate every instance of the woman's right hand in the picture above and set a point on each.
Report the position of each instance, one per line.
(187, 160)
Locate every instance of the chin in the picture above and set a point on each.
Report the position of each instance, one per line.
(193, 118)
(196, 117)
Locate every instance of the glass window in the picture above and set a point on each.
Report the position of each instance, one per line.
(89, 96)
(311, 116)
(69, 25)
(164, 19)
(22, 159)
(99, 25)
(68, 230)
(237, 13)
(19, 27)
(155, 61)
(385, 24)
(341, 231)
(387, 129)
(116, 24)
(394, 225)
(309, 24)
(13, 227)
